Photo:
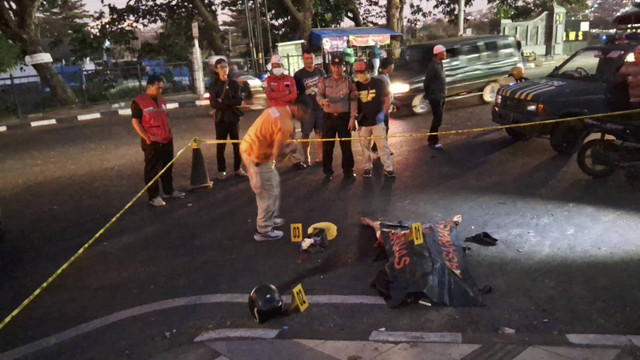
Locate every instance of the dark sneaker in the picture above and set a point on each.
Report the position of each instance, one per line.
(350, 176)
(437, 146)
(367, 173)
(299, 165)
(278, 221)
(328, 177)
(390, 173)
(270, 235)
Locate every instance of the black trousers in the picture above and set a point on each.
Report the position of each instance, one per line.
(437, 108)
(156, 157)
(223, 130)
(333, 125)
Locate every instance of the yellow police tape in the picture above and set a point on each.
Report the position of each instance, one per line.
(83, 248)
(196, 143)
(451, 132)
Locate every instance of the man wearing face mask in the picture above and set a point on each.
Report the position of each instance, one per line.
(281, 91)
(373, 104)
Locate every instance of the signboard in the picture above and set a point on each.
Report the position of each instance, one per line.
(38, 58)
(332, 44)
(369, 40)
(194, 29)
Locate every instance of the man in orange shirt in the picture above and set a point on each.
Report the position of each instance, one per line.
(264, 143)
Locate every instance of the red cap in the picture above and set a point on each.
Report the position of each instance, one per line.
(360, 66)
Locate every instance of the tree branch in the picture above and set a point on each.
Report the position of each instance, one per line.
(293, 11)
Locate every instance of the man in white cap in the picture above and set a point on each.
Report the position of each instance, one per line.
(435, 90)
(281, 91)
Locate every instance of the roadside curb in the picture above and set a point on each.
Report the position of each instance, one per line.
(90, 116)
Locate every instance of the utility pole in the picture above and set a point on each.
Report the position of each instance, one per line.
(460, 17)
(198, 77)
(251, 44)
(259, 34)
(266, 10)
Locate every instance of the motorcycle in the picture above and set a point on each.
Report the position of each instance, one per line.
(618, 146)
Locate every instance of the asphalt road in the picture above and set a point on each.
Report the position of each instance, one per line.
(568, 258)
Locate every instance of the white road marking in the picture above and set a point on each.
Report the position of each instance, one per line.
(172, 106)
(88, 116)
(202, 102)
(124, 112)
(598, 339)
(403, 336)
(166, 304)
(3, 128)
(43, 122)
(237, 333)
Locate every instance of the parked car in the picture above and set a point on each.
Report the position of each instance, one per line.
(583, 84)
(473, 63)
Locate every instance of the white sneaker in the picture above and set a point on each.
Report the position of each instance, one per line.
(222, 175)
(278, 221)
(175, 194)
(271, 235)
(241, 172)
(157, 202)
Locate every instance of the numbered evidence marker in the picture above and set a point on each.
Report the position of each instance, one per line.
(296, 232)
(416, 233)
(298, 299)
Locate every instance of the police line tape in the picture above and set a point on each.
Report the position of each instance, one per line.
(85, 246)
(195, 143)
(450, 132)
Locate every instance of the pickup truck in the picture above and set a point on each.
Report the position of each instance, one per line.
(584, 84)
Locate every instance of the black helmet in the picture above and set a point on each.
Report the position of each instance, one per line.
(265, 302)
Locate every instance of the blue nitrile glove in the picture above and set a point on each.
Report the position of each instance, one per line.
(380, 118)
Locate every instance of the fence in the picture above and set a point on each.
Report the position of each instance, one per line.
(22, 95)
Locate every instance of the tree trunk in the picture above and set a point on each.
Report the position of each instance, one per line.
(48, 75)
(211, 33)
(395, 22)
(303, 17)
(355, 15)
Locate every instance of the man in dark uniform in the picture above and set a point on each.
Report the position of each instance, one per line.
(435, 89)
(150, 120)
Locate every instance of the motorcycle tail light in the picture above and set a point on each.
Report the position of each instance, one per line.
(540, 109)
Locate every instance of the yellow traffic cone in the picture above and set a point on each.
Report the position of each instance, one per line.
(199, 174)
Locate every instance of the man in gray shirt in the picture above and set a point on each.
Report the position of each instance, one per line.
(435, 89)
(338, 96)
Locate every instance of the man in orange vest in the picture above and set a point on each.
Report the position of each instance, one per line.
(150, 120)
(264, 143)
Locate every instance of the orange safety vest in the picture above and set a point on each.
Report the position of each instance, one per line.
(155, 120)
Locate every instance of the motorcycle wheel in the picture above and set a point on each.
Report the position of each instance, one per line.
(565, 139)
(596, 158)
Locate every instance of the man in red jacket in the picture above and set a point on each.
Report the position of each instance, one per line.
(150, 120)
(281, 91)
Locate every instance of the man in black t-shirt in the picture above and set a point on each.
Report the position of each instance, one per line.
(373, 104)
(307, 80)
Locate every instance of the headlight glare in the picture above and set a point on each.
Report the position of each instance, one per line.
(397, 88)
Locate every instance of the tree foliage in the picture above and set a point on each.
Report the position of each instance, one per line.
(519, 10)
(18, 24)
(9, 54)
